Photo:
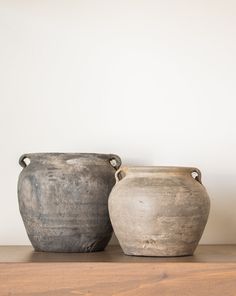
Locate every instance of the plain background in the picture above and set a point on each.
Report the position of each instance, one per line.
(153, 81)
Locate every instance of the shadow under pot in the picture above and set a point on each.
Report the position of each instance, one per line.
(158, 211)
(63, 200)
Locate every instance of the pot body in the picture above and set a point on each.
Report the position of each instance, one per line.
(63, 200)
(158, 211)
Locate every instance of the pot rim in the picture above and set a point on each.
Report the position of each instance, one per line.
(154, 167)
(64, 155)
(159, 169)
(67, 153)
(139, 170)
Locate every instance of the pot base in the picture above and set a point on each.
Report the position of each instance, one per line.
(155, 252)
(68, 244)
(155, 255)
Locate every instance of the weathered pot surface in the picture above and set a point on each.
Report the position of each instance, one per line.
(158, 211)
(63, 200)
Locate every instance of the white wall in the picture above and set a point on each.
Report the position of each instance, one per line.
(153, 81)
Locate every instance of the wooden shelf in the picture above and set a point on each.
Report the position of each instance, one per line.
(211, 271)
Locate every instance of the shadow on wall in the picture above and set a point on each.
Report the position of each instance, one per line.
(222, 218)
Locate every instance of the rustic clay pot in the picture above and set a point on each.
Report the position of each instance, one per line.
(63, 200)
(158, 211)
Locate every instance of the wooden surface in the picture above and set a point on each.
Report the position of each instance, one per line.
(211, 271)
(204, 253)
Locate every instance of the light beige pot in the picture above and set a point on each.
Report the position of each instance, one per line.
(158, 211)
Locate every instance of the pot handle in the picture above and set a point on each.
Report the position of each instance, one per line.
(196, 174)
(120, 174)
(22, 160)
(115, 161)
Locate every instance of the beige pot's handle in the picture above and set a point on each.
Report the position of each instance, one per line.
(22, 160)
(120, 174)
(196, 174)
(115, 161)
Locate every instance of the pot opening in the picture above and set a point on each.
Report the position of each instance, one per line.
(70, 158)
(140, 171)
(157, 169)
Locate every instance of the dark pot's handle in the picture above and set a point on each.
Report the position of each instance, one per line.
(115, 161)
(22, 160)
(196, 174)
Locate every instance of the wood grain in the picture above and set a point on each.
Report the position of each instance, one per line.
(142, 276)
(204, 253)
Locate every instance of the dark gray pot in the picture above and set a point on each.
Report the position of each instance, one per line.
(63, 200)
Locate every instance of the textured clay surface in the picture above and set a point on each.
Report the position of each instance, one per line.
(63, 200)
(158, 211)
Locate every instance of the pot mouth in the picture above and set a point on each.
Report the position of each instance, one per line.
(114, 159)
(67, 154)
(157, 168)
(141, 171)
